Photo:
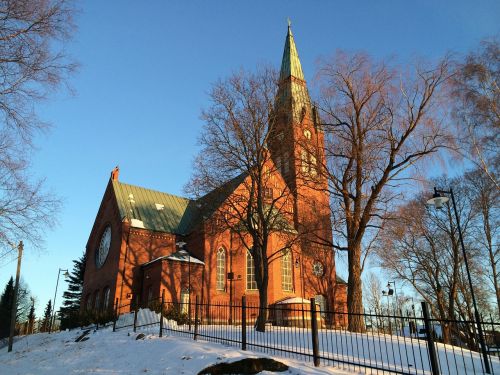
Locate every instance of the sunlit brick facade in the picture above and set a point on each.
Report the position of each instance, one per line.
(132, 256)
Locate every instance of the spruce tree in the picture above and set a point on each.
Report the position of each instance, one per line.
(70, 310)
(5, 308)
(31, 317)
(46, 317)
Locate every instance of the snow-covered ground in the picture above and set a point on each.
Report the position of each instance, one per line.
(350, 351)
(107, 352)
(120, 353)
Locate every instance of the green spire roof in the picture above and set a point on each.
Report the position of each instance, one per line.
(292, 95)
(290, 65)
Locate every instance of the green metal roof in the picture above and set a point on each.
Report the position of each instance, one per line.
(158, 211)
(290, 65)
(340, 280)
(292, 94)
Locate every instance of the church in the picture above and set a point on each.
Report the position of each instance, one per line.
(146, 243)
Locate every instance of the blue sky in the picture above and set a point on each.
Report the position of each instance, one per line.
(146, 68)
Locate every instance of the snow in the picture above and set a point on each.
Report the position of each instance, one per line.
(179, 256)
(293, 300)
(120, 353)
(136, 223)
(391, 352)
(108, 352)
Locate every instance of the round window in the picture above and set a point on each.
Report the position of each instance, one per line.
(318, 269)
(102, 251)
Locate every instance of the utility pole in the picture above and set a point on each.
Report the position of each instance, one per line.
(14, 300)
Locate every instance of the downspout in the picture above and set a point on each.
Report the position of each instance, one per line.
(124, 263)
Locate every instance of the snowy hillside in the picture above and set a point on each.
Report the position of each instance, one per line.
(107, 352)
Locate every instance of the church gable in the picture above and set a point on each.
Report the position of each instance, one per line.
(229, 205)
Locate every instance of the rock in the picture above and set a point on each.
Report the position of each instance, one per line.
(83, 336)
(245, 366)
(140, 336)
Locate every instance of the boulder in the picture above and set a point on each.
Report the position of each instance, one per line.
(245, 366)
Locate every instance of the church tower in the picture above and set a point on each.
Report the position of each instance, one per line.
(297, 148)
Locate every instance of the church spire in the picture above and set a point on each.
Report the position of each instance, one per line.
(292, 97)
(290, 64)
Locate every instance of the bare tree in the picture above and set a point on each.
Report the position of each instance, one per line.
(381, 122)
(32, 63)
(476, 92)
(373, 294)
(485, 200)
(422, 248)
(234, 168)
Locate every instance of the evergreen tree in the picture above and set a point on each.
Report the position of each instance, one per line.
(31, 317)
(70, 310)
(23, 302)
(23, 305)
(5, 308)
(46, 317)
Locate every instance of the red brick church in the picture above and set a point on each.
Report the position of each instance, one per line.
(144, 243)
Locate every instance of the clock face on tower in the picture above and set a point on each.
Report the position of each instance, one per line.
(103, 249)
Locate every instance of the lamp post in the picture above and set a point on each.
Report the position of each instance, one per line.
(66, 275)
(387, 293)
(437, 200)
(393, 292)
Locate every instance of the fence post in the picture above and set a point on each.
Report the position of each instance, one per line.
(314, 333)
(135, 313)
(244, 323)
(161, 311)
(195, 319)
(430, 340)
(115, 316)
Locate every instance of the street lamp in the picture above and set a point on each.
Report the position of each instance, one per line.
(392, 292)
(437, 200)
(66, 275)
(387, 293)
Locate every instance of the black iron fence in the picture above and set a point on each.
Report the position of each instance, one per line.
(395, 344)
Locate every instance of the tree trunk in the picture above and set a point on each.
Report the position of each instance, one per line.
(260, 324)
(262, 280)
(355, 292)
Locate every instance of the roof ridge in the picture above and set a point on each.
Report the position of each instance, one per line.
(156, 191)
(224, 185)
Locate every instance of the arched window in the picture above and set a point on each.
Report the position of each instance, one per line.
(89, 302)
(105, 299)
(321, 301)
(221, 269)
(96, 301)
(305, 161)
(286, 271)
(286, 162)
(184, 301)
(251, 283)
(279, 164)
(313, 167)
(150, 293)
